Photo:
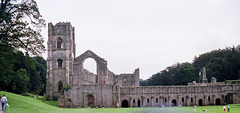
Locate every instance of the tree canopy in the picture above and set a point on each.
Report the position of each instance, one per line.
(223, 64)
(20, 73)
(20, 25)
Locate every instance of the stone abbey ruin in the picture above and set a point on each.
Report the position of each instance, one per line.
(74, 86)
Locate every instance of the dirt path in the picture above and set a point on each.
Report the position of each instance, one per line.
(1, 109)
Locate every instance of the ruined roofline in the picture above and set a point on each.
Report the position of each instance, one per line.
(177, 86)
(136, 71)
(60, 23)
(65, 25)
(90, 52)
(153, 86)
(87, 71)
(61, 28)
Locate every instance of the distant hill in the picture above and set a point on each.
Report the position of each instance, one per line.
(224, 64)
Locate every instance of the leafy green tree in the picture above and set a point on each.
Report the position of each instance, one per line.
(41, 68)
(20, 25)
(20, 81)
(20, 73)
(7, 59)
(187, 73)
(35, 79)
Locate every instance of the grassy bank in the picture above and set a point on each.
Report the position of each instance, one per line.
(22, 104)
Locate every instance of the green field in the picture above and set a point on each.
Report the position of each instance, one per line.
(22, 104)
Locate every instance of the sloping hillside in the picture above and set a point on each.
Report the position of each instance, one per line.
(22, 104)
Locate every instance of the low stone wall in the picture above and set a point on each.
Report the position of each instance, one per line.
(64, 102)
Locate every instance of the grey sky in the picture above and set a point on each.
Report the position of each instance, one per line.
(146, 34)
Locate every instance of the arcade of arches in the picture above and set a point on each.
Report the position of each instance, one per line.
(159, 101)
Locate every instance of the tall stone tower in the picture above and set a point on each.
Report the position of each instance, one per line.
(61, 53)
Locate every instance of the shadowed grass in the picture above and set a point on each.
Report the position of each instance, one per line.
(22, 104)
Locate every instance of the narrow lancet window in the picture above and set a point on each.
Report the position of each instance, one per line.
(60, 86)
(60, 62)
(59, 42)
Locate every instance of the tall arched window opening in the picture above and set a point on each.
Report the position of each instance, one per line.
(60, 62)
(90, 65)
(59, 42)
(60, 86)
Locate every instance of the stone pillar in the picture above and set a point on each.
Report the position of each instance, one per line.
(130, 102)
(143, 102)
(180, 101)
(204, 80)
(152, 101)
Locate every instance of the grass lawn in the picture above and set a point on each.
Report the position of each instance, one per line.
(22, 104)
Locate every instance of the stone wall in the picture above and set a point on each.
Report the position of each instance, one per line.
(151, 96)
(102, 95)
(129, 79)
(89, 77)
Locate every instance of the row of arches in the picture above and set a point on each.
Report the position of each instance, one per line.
(173, 102)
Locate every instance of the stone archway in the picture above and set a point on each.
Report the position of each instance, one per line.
(218, 101)
(174, 102)
(102, 69)
(124, 103)
(138, 103)
(91, 100)
(90, 65)
(200, 102)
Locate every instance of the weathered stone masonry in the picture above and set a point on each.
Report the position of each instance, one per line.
(74, 86)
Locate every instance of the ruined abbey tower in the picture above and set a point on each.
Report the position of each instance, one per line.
(61, 54)
(74, 86)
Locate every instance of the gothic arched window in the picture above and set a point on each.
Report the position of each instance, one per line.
(60, 86)
(60, 62)
(59, 42)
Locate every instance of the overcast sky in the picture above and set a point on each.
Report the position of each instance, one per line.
(146, 34)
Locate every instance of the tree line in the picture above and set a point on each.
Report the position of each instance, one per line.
(223, 64)
(20, 73)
